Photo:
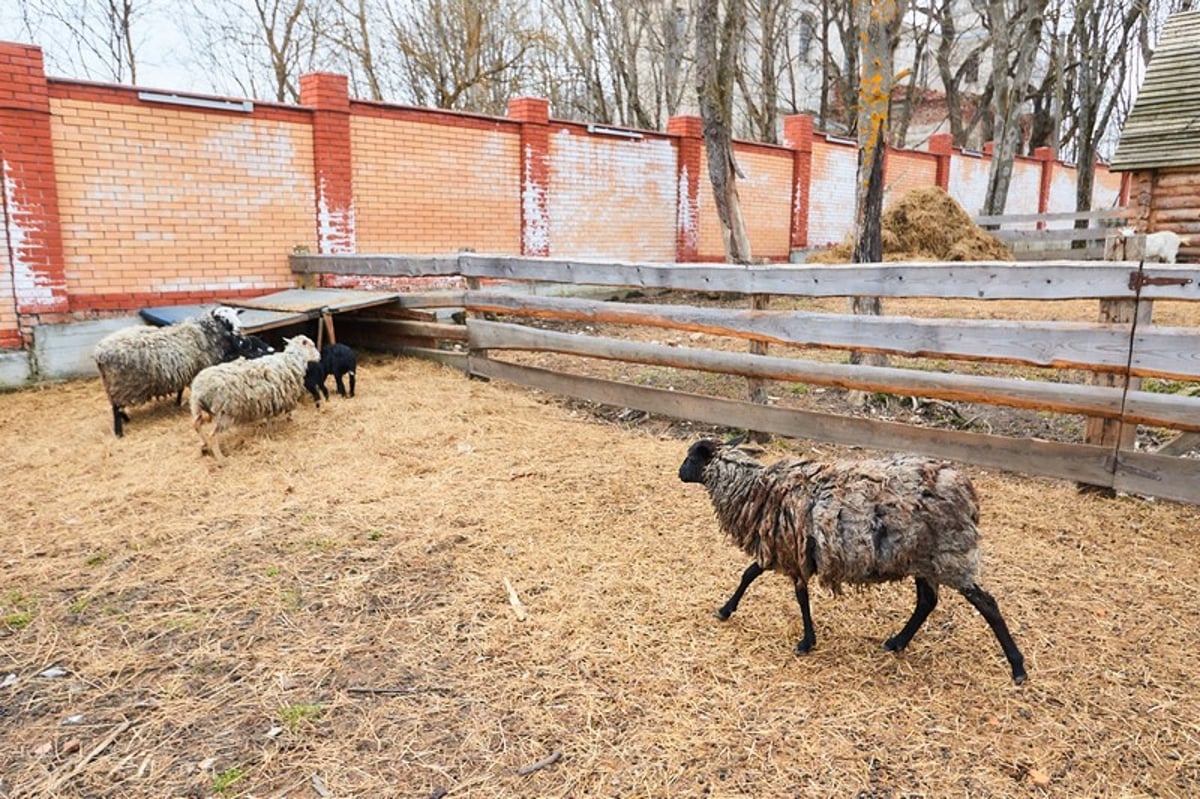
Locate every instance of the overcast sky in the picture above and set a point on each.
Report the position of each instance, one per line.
(162, 51)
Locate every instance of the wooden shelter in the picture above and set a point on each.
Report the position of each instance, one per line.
(1160, 143)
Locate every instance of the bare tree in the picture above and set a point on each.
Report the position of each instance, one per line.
(1101, 35)
(95, 38)
(958, 62)
(879, 21)
(349, 34)
(760, 91)
(1016, 31)
(461, 54)
(718, 42)
(262, 48)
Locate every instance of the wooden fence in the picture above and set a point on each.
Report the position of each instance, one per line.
(1040, 237)
(1118, 351)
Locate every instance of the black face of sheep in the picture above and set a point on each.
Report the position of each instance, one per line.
(248, 347)
(851, 522)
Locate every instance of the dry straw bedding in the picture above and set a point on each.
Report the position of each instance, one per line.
(211, 623)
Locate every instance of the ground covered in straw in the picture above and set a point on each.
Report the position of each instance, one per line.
(328, 615)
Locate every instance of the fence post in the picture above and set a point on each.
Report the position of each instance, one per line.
(688, 169)
(534, 115)
(1111, 432)
(30, 188)
(942, 145)
(798, 136)
(329, 96)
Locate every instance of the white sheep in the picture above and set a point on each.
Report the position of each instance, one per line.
(249, 390)
(1162, 245)
(141, 363)
(853, 522)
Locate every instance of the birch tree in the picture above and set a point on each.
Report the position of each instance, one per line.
(1016, 33)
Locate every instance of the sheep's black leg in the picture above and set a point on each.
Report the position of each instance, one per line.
(179, 397)
(988, 608)
(352, 383)
(810, 637)
(341, 387)
(119, 418)
(927, 597)
(750, 575)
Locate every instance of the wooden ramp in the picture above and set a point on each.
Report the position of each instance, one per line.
(282, 308)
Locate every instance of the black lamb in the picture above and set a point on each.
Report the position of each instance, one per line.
(849, 522)
(337, 360)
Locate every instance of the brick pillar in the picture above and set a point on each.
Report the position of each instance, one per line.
(328, 95)
(798, 136)
(1045, 158)
(534, 115)
(33, 225)
(689, 166)
(942, 145)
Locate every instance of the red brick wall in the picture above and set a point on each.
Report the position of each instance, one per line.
(167, 205)
(34, 282)
(611, 197)
(113, 201)
(435, 183)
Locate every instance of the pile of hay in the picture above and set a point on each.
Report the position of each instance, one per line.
(928, 224)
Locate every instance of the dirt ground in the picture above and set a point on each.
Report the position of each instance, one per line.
(328, 615)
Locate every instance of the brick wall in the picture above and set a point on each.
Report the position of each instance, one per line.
(435, 183)
(164, 205)
(611, 197)
(114, 200)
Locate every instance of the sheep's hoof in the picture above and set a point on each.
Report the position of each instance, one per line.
(894, 644)
(723, 614)
(804, 647)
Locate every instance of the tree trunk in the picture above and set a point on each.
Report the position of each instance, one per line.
(879, 22)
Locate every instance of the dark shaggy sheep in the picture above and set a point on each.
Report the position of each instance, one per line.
(851, 522)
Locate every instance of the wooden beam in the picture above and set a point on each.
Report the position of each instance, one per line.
(376, 265)
(1077, 462)
(1160, 352)
(1157, 409)
(999, 280)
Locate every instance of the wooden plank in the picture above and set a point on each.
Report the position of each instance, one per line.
(1077, 462)
(430, 299)
(418, 329)
(375, 265)
(452, 358)
(1157, 475)
(1156, 409)
(991, 280)
(1020, 237)
(1162, 352)
(1061, 216)
(1095, 252)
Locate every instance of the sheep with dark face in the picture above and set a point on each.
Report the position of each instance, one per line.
(249, 347)
(141, 363)
(249, 390)
(851, 522)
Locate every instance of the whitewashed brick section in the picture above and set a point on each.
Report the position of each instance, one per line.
(1062, 191)
(1106, 191)
(8, 300)
(968, 182)
(612, 198)
(831, 196)
(1025, 188)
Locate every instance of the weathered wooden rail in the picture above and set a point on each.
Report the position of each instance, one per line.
(1118, 353)
(1068, 234)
